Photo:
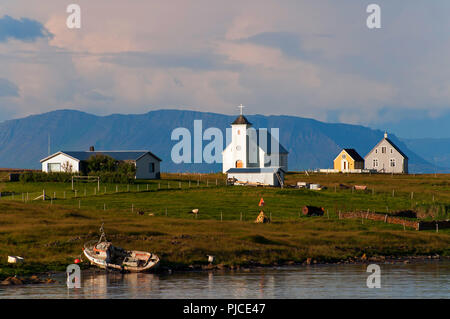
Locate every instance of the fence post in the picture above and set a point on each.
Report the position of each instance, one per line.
(64, 195)
(437, 227)
(79, 203)
(128, 187)
(241, 216)
(104, 206)
(75, 193)
(116, 188)
(189, 183)
(221, 217)
(43, 194)
(166, 211)
(85, 192)
(393, 193)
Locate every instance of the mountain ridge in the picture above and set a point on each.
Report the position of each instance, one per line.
(311, 143)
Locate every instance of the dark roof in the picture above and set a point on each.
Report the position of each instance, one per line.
(392, 144)
(354, 154)
(117, 155)
(241, 119)
(270, 138)
(396, 147)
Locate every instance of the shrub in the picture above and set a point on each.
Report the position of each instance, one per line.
(45, 177)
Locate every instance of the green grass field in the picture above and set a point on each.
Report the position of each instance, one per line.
(50, 234)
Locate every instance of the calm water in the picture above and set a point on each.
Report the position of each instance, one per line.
(422, 280)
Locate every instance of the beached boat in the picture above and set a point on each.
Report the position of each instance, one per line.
(104, 254)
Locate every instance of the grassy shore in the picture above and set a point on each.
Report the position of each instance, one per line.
(50, 234)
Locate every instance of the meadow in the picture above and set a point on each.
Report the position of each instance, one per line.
(155, 216)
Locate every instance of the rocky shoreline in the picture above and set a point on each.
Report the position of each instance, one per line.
(16, 281)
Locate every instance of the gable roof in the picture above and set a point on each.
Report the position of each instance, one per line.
(391, 143)
(270, 138)
(117, 155)
(353, 154)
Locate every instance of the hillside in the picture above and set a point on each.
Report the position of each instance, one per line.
(311, 144)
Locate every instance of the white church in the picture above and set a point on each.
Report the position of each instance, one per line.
(254, 155)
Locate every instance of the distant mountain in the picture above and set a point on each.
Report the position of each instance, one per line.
(311, 144)
(434, 150)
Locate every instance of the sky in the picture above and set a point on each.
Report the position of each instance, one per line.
(315, 59)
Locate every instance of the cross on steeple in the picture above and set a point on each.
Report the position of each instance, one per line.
(241, 107)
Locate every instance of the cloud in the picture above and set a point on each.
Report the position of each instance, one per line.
(21, 29)
(306, 58)
(199, 61)
(8, 89)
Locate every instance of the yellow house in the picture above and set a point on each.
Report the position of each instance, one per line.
(348, 160)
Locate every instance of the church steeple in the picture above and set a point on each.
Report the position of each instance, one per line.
(241, 119)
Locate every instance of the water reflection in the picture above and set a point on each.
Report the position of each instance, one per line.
(424, 280)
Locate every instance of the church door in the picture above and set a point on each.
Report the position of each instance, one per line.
(238, 164)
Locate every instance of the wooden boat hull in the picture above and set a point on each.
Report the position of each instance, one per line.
(152, 261)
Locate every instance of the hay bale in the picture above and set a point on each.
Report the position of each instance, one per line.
(312, 211)
(262, 218)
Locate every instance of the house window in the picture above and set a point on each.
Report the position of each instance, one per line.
(392, 151)
(343, 156)
(383, 150)
(376, 150)
(392, 162)
(151, 167)
(54, 167)
(375, 162)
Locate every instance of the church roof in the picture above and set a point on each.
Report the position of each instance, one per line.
(241, 119)
(267, 147)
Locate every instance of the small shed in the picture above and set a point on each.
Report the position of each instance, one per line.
(273, 176)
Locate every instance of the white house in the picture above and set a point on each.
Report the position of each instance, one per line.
(147, 164)
(386, 157)
(254, 156)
